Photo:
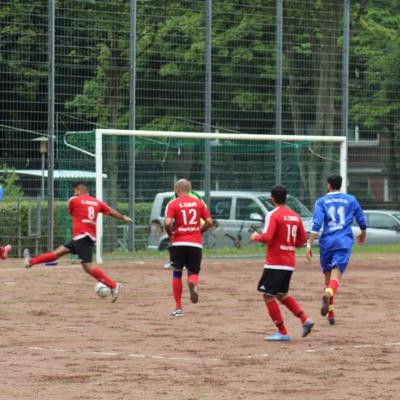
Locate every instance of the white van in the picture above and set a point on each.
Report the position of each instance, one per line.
(236, 215)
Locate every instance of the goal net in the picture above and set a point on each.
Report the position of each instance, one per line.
(232, 172)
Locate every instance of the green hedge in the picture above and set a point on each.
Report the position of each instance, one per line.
(14, 223)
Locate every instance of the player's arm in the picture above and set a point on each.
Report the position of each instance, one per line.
(208, 223)
(71, 205)
(205, 216)
(362, 223)
(169, 220)
(318, 219)
(268, 232)
(117, 215)
(301, 238)
(106, 209)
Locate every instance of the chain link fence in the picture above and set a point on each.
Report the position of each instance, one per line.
(276, 67)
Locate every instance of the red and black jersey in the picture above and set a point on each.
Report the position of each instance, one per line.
(84, 210)
(283, 232)
(187, 213)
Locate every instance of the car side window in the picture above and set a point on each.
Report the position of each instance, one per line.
(381, 221)
(221, 208)
(246, 209)
(164, 205)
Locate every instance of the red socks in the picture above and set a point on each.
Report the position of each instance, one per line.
(99, 274)
(332, 287)
(275, 314)
(294, 307)
(194, 278)
(43, 258)
(177, 290)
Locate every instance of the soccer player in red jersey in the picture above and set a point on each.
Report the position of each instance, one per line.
(283, 232)
(83, 209)
(182, 223)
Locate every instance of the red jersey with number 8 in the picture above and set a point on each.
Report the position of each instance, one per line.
(84, 210)
(283, 232)
(187, 212)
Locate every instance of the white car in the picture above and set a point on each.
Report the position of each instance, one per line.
(236, 214)
(383, 227)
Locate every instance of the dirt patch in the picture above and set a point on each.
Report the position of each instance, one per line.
(60, 341)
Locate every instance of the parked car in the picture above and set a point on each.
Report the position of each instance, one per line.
(236, 214)
(383, 227)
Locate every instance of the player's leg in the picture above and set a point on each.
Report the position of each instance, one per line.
(84, 249)
(269, 285)
(337, 265)
(168, 265)
(332, 285)
(193, 263)
(177, 259)
(331, 309)
(291, 303)
(46, 257)
(4, 250)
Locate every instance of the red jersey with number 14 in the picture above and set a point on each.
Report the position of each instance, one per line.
(283, 232)
(187, 212)
(83, 210)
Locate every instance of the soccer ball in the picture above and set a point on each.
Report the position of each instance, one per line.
(102, 290)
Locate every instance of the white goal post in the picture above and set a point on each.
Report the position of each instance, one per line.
(201, 136)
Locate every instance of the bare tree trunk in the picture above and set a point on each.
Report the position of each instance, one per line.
(318, 164)
(113, 87)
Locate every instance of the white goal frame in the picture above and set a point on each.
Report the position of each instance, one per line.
(197, 135)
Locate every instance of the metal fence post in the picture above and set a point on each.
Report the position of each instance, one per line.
(50, 123)
(278, 90)
(345, 73)
(132, 122)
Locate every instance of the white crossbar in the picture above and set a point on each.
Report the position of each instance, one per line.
(198, 135)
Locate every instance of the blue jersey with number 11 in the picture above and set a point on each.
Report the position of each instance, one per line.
(335, 212)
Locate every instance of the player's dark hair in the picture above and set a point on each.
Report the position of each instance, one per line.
(335, 181)
(79, 183)
(279, 193)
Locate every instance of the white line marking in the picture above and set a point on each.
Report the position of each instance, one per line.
(9, 283)
(200, 359)
(257, 355)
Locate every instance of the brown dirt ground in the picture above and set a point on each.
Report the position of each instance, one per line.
(58, 340)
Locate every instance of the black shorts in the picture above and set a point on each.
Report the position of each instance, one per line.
(83, 248)
(274, 281)
(186, 256)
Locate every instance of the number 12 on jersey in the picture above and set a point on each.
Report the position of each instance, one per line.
(192, 217)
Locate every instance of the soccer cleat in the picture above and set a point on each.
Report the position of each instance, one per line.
(168, 265)
(278, 337)
(116, 292)
(325, 305)
(307, 326)
(4, 251)
(26, 254)
(177, 313)
(194, 296)
(332, 321)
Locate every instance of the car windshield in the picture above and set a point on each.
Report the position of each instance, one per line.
(292, 202)
(397, 216)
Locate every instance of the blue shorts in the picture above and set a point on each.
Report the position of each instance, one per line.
(335, 259)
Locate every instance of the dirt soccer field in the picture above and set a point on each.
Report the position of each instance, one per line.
(60, 341)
